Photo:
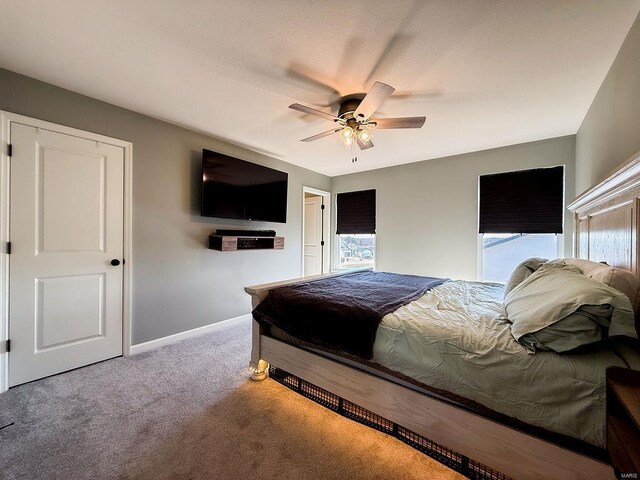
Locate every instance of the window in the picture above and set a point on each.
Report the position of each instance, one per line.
(356, 229)
(357, 250)
(501, 253)
(520, 216)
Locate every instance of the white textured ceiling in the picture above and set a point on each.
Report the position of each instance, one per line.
(485, 73)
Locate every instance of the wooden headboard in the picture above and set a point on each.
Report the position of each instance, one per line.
(606, 219)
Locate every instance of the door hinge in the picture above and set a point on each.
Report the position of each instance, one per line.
(321, 207)
(322, 243)
(8, 248)
(7, 346)
(9, 150)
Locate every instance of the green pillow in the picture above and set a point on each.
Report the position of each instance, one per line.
(522, 272)
(555, 293)
(582, 327)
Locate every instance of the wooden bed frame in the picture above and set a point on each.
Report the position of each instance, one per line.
(606, 225)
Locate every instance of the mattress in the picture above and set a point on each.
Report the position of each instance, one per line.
(455, 341)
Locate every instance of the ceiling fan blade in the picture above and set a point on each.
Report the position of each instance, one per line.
(394, 49)
(373, 100)
(362, 145)
(402, 122)
(312, 78)
(313, 111)
(320, 135)
(398, 44)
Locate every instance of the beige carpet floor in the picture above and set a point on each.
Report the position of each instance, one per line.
(188, 411)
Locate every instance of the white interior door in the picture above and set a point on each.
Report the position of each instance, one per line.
(313, 241)
(66, 227)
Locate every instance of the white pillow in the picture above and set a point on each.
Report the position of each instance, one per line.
(618, 278)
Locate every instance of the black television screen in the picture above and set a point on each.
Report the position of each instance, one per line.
(234, 188)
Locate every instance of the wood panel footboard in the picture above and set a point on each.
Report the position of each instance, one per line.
(258, 293)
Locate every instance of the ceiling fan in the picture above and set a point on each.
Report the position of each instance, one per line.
(355, 120)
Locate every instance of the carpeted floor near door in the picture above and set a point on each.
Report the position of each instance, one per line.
(188, 411)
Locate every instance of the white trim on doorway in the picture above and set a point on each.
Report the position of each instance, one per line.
(6, 119)
(326, 201)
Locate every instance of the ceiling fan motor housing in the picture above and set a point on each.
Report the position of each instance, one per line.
(349, 105)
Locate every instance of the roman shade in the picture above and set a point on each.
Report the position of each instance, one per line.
(356, 212)
(528, 201)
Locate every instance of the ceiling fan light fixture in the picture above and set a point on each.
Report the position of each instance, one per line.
(347, 134)
(356, 118)
(364, 136)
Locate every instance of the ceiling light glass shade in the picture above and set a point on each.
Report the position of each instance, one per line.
(346, 134)
(364, 136)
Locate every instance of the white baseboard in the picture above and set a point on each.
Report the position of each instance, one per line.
(176, 337)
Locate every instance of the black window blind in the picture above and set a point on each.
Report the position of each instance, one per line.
(356, 212)
(528, 201)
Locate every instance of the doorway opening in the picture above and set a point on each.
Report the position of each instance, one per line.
(316, 222)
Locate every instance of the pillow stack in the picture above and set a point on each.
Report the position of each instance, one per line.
(522, 272)
(558, 308)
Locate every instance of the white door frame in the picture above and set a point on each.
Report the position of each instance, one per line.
(6, 119)
(326, 226)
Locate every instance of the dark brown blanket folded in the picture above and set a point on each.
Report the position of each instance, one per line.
(342, 313)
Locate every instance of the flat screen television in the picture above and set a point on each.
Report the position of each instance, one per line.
(234, 188)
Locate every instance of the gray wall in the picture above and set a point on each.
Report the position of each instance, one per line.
(427, 212)
(178, 284)
(610, 132)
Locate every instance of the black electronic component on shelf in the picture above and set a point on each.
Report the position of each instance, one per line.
(245, 233)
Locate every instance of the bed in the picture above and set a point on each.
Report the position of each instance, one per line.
(555, 429)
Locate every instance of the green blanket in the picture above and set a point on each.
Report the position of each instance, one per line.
(452, 338)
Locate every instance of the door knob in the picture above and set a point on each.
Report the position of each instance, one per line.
(115, 262)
